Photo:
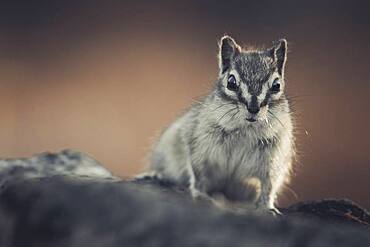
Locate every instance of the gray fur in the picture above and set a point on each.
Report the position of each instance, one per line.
(214, 150)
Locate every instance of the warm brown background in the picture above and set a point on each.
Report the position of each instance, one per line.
(104, 77)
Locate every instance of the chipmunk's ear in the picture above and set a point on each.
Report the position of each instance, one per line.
(279, 54)
(228, 49)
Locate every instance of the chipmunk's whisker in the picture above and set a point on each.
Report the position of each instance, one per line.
(231, 110)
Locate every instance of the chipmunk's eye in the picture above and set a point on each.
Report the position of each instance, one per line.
(275, 87)
(231, 83)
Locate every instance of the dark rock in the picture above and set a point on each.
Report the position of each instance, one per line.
(68, 199)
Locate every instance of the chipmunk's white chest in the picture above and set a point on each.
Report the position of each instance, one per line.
(229, 155)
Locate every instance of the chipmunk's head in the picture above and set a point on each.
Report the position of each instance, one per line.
(252, 80)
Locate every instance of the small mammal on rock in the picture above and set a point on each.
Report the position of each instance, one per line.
(238, 137)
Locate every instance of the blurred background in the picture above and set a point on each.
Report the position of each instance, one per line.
(104, 77)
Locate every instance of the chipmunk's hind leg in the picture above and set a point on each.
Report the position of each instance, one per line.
(153, 177)
(149, 176)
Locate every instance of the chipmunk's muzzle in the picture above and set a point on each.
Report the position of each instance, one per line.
(253, 108)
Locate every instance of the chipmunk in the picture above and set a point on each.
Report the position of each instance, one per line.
(239, 135)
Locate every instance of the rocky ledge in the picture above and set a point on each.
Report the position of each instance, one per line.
(69, 199)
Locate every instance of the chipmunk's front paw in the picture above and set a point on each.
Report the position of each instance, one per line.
(275, 212)
(269, 211)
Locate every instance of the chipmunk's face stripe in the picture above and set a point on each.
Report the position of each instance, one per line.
(266, 99)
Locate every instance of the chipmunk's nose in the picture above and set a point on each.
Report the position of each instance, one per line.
(254, 110)
(253, 107)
